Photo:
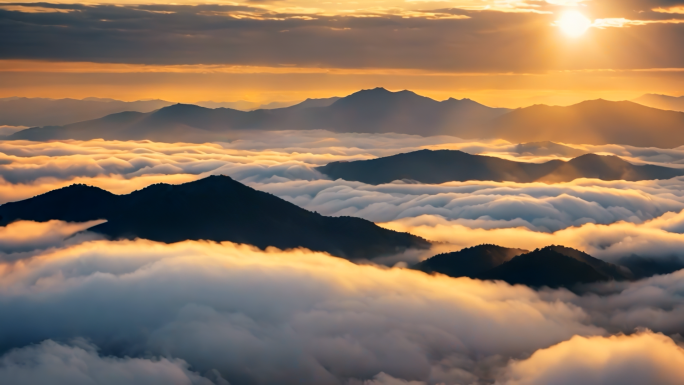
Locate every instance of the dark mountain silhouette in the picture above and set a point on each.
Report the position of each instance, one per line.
(216, 208)
(442, 166)
(470, 262)
(41, 112)
(591, 122)
(663, 102)
(610, 270)
(545, 267)
(374, 111)
(553, 266)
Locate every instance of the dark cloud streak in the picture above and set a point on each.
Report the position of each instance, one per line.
(487, 41)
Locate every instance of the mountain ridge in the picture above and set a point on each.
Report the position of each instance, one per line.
(378, 110)
(663, 102)
(440, 166)
(21, 111)
(215, 208)
(592, 122)
(552, 266)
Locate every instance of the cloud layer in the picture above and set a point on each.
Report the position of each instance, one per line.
(154, 312)
(644, 358)
(639, 217)
(77, 309)
(50, 362)
(660, 238)
(286, 317)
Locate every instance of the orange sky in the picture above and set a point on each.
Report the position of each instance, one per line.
(262, 85)
(500, 52)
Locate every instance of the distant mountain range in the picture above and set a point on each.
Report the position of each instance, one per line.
(216, 208)
(33, 112)
(243, 105)
(442, 166)
(41, 112)
(378, 111)
(662, 102)
(381, 111)
(590, 122)
(553, 266)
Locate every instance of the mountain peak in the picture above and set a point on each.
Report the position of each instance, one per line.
(552, 266)
(382, 91)
(469, 262)
(183, 106)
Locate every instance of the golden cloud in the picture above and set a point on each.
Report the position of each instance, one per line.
(642, 358)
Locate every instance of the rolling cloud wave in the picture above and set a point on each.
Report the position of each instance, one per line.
(224, 312)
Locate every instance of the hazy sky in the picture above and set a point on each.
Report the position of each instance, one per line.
(501, 52)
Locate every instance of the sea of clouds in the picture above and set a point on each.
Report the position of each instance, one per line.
(111, 312)
(79, 309)
(600, 217)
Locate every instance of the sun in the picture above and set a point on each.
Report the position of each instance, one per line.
(573, 23)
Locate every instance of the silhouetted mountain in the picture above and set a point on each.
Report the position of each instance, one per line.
(41, 112)
(663, 102)
(216, 208)
(553, 266)
(545, 267)
(180, 122)
(591, 122)
(470, 262)
(381, 111)
(375, 110)
(442, 166)
(612, 271)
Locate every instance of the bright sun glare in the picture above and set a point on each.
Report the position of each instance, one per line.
(573, 23)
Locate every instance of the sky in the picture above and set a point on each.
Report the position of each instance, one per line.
(500, 52)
